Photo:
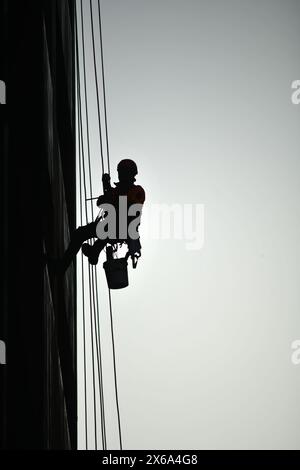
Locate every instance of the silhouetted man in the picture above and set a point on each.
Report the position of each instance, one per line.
(135, 194)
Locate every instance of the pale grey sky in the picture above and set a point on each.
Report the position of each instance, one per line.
(199, 94)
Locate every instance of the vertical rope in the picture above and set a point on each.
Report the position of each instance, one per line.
(115, 369)
(96, 301)
(80, 150)
(82, 270)
(86, 212)
(86, 108)
(93, 286)
(99, 356)
(108, 164)
(103, 85)
(97, 323)
(96, 84)
(94, 330)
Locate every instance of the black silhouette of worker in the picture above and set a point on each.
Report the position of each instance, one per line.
(135, 194)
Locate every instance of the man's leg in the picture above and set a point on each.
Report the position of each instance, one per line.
(80, 235)
(93, 251)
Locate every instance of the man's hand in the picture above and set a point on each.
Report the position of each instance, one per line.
(106, 188)
(105, 177)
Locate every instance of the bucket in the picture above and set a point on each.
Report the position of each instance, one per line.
(116, 273)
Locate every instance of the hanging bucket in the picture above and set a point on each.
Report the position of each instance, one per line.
(116, 273)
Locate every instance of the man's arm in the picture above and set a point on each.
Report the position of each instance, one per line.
(106, 182)
(106, 189)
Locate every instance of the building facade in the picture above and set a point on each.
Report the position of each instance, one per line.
(38, 184)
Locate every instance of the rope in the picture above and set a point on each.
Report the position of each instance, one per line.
(101, 371)
(115, 369)
(86, 107)
(84, 180)
(108, 164)
(100, 137)
(96, 83)
(93, 285)
(81, 216)
(91, 274)
(92, 271)
(82, 278)
(103, 85)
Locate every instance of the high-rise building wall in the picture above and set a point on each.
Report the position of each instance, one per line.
(38, 184)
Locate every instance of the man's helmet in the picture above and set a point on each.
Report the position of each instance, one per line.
(127, 167)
